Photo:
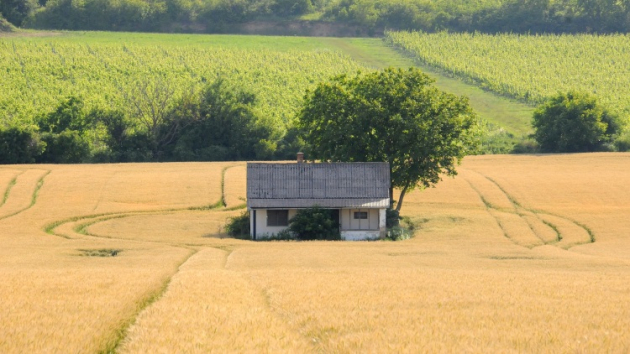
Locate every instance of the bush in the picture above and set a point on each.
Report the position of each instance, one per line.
(398, 233)
(392, 218)
(526, 146)
(623, 141)
(284, 235)
(574, 122)
(315, 224)
(403, 230)
(66, 147)
(19, 146)
(238, 226)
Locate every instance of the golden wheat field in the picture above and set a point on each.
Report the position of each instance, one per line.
(516, 254)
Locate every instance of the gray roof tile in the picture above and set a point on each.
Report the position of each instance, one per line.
(358, 184)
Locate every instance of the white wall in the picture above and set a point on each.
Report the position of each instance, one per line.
(348, 222)
(261, 223)
(361, 235)
(351, 229)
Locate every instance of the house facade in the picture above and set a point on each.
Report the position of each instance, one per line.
(358, 194)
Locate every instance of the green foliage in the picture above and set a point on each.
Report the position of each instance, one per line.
(221, 126)
(402, 230)
(394, 116)
(529, 68)
(284, 235)
(573, 122)
(392, 218)
(314, 224)
(119, 72)
(66, 147)
(289, 145)
(515, 16)
(622, 143)
(64, 131)
(526, 146)
(16, 11)
(523, 16)
(69, 115)
(292, 7)
(5, 26)
(398, 233)
(238, 226)
(19, 146)
(497, 140)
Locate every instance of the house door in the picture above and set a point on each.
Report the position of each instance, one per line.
(334, 213)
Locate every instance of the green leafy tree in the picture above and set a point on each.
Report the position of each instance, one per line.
(69, 115)
(394, 116)
(574, 122)
(19, 145)
(66, 147)
(221, 124)
(15, 11)
(65, 132)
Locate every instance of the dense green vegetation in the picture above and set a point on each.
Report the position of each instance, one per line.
(524, 16)
(530, 68)
(109, 81)
(133, 92)
(314, 224)
(5, 26)
(394, 116)
(574, 122)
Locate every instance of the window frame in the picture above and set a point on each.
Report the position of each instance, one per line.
(360, 215)
(276, 218)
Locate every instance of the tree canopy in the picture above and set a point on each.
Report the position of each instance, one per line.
(574, 122)
(394, 116)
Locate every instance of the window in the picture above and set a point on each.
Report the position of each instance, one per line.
(361, 215)
(277, 218)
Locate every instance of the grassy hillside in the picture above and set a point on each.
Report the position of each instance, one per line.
(130, 257)
(103, 67)
(515, 117)
(277, 69)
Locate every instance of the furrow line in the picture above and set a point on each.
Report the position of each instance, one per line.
(7, 191)
(538, 212)
(38, 186)
(121, 333)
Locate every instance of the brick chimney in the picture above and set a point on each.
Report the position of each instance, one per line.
(300, 157)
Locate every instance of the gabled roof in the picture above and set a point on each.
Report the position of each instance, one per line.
(332, 185)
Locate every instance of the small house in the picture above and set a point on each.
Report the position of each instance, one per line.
(358, 194)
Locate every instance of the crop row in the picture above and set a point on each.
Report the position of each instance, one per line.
(529, 68)
(37, 73)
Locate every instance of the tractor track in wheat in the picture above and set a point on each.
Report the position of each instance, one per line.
(525, 226)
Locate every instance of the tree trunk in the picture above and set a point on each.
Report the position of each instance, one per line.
(391, 197)
(400, 199)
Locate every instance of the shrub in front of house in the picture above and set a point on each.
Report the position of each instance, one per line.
(314, 224)
(284, 235)
(238, 226)
(392, 218)
(403, 230)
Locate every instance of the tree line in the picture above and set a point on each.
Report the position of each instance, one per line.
(218, 123)
(517, 16)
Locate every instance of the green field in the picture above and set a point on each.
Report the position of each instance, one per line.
(530, 68)
(100, 67)
(504, 76)
(513, 116)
